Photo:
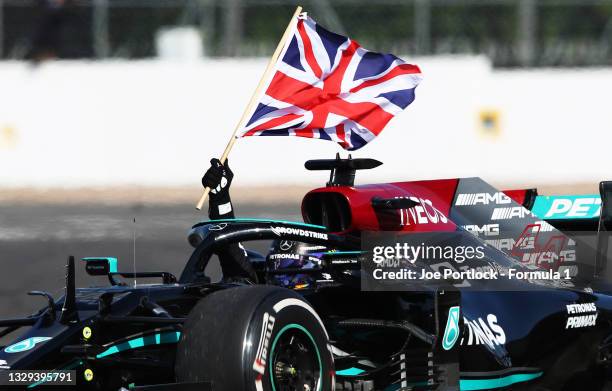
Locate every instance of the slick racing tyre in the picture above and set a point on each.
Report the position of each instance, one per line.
(255, 338)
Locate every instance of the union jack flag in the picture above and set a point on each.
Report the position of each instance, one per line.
(327, 86)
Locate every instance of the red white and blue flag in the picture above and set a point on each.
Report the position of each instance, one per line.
(326, 86)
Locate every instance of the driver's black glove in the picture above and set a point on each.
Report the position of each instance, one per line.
(219, 178)
(233, 258)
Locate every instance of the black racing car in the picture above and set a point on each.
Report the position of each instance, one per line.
(309, 321)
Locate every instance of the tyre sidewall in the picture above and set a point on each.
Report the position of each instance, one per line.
(222, 338)
(279, 312)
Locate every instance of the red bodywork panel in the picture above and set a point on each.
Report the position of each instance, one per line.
(349, 208)
(435, 198)
(518, 196)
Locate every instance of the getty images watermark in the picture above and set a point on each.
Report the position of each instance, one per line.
(409, 261)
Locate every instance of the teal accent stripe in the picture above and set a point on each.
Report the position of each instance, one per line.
(587, 206)
(67, 368)
(505, 381)
(264, 221)
(154, 339)
(112, 265)
(350, 372)
(344, 252)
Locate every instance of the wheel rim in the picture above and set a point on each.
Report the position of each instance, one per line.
(295, 362)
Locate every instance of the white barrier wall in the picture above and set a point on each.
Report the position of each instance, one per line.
(158, 123)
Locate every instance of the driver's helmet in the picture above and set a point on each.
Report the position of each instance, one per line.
(287, 254)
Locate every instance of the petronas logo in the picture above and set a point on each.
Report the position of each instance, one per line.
(451, 333)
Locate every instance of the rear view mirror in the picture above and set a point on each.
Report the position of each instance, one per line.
(100, 266)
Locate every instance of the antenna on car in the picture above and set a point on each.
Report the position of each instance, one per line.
(134, 248)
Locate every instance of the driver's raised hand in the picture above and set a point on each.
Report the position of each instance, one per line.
(219, 178)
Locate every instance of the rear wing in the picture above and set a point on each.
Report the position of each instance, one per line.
(604, 231)
(570, 212)
(586, 217)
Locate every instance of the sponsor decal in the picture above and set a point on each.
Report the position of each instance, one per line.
(424, 213)
(312, 248)
(581, 308)
(4, 365)
(259, 365)
(498, 198)
(511, 212)
(284, 256)
(25, 345)
(451, 332)
(581, 315)
(285, 245)
(344, 261)
(568, 207)
(487, 332)
(551, 257)
(485, 230)
(280, 231)
(217, 227)
(510, 244)
(529, 249)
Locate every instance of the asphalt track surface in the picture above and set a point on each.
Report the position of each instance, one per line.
(35, 242)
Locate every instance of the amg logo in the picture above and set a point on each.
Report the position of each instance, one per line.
(259, 365)
(280, 231)
(510, 213)
(498, 198)
(486, 230)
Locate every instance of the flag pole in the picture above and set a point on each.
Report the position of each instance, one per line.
(256, 94)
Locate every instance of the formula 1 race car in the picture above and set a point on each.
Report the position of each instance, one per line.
(323, 327)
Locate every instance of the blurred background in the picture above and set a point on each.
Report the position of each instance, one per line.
(111, 109)
(511, 33)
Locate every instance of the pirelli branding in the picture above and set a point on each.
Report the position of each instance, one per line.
(259, 365)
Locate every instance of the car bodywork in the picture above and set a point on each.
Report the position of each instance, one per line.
(439, 336)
